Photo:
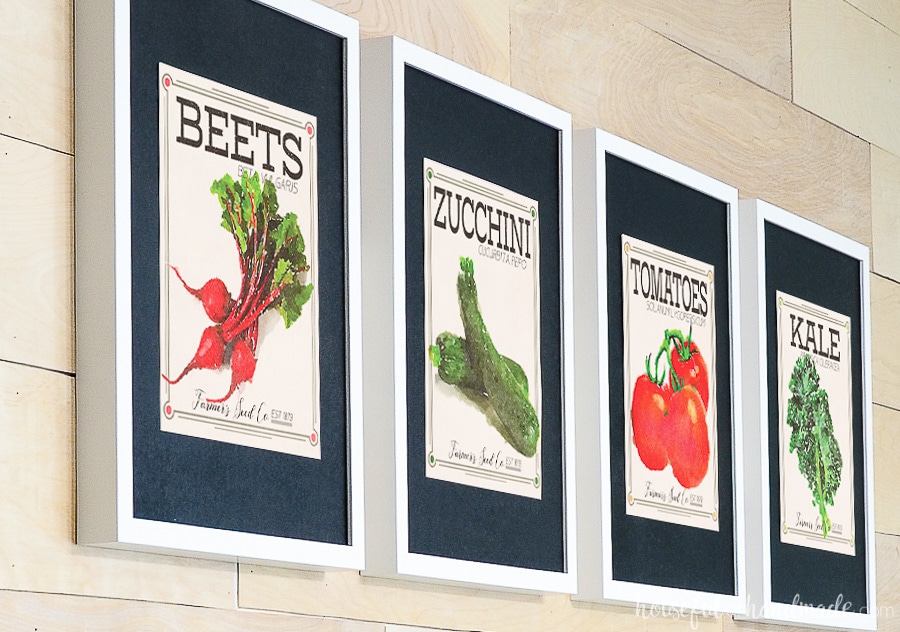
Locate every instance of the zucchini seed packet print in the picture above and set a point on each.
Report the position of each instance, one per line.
(815, 426)
(238, 243)
(482, 332)
(671, 464)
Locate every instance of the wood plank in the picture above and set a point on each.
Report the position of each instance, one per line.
(26, 612)
(887, 569)
(38, 499)
(625, 78)
(471, 32)
(885, 360)
(886, 12)
(847, 69)
(36, 305)
(36, 83)
(885, 213)
(346, 594)
(886, 445)
(749, 37)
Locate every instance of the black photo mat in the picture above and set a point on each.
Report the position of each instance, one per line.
(654, 208)
(467, 131)
(185, 480)
(807, 269)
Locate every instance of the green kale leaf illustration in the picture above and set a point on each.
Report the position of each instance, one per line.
(812, 436)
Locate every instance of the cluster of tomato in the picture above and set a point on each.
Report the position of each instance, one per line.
(668, 417)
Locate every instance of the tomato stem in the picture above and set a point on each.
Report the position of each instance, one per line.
(655, 375)
(681, 344)
(674, 338)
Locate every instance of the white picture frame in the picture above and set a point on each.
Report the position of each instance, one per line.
(595, 386)
(388, 495)
(104, 285)
(835, 611)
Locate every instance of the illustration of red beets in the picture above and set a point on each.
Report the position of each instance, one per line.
(273, 266)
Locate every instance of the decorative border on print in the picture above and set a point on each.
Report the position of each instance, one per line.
(501, 478)
(228, 425)
(712, 515)
(107, 341)
(846, 325)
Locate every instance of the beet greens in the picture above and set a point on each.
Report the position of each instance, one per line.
(270, 249)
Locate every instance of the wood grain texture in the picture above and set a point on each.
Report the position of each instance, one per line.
(887, 569)
(629, 80)
(885, 359)
(885, 213)
(346, 594)
(847, 69)
(749, 37)
(36, 304)
(886, 430)
(886, 12)
(472, 32)
(27, 612)
(36, 84)
(37, 550)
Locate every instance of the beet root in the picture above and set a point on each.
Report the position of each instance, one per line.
(210, 353)
(214, 296)
(243, 366)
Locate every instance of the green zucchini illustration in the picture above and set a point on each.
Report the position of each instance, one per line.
(502, 392)
(449, 355)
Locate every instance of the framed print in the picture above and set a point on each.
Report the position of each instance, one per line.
(657, 391)
(219, 293)
(809, 424)
(467, 325)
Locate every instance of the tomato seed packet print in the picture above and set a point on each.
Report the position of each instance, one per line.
(238, 243)
(671, 465)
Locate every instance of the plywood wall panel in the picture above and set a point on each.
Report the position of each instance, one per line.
(615, 73)
(472, 32)
(887, 567)
(36, 84)
(28, 612)
(847, 69)
(749, 37)
(37, 549)
(886, 212)
(886, 12)
(346, 594)
(886, 429)
(36, 258)
(885, 359)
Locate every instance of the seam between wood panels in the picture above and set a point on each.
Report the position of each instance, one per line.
(887, 406)
(791, 51)
(872, 17)
(36, 144)
(39, 367)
